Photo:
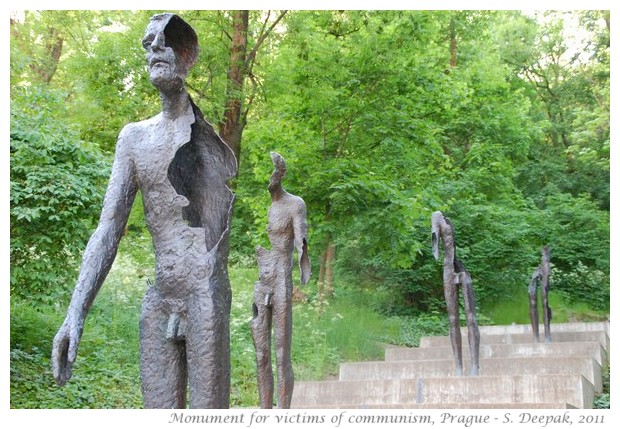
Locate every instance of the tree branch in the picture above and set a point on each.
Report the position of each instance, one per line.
(196, 90)
(252, 55)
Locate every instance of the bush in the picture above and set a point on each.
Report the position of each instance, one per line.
(583, 284)
(57, 183)
(603, 400)
(413, 328)
(578, 233)
(106, 372)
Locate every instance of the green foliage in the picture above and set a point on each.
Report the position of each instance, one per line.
(106, 373)
(351, 325)
(379, 127)
(374, 149)
(244, 385)
(570, 90)
(114, 88)
(56, 187)
(340, 118)
(584, 230)
(379, 130)
(603, 400)
(413, 328)
(583, 284)
(516, 309)
(39, 38)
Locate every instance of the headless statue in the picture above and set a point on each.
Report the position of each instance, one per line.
(273, 304)
(541, 275)
(455, 274)
(181, 167)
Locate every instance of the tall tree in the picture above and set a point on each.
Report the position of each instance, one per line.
(341, 104)
(569, 87)
(39, 39)
(242, 60)
(381, 121)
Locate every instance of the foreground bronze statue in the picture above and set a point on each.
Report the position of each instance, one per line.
(455, 274)
(541, 275)
(273, 304)
(181, 166)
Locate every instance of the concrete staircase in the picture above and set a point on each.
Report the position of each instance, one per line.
(515, 372)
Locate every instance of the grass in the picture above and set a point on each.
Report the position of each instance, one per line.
(106, 372)
(325, 333)
(517, 310)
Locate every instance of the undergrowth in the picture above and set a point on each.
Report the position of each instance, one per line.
(326, 332)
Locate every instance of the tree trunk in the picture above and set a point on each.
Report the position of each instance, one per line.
(320, 283)
(325, 284)
(233, 122)
(241, 63)
(452, 44)
(45, 66)
(606, 17)
(54, 49)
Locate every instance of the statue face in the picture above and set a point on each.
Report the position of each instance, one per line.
(171, 49)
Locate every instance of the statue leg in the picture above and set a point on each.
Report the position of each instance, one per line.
(208, 344)
(534, 311)
(261, 334)
(163, 367)
(283, 329)
(473, 333)
(452, 306)
(546, 313)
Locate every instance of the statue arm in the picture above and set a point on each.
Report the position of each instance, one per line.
(96, 261)
(300, 227)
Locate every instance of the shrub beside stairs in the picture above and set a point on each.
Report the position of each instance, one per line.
(515, 372)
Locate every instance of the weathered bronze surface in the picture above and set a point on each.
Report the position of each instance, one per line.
(541, 276)
(181, 167)
(287, 229)
(455, 274)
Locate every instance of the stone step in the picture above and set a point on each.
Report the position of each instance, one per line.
(585, 366)
(581, 349)
(574, 390)
(557, 337)
(555, 327)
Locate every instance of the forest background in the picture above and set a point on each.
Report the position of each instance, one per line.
(500, 119)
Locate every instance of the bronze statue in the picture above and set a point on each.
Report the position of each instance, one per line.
(455, 274)
(287, 230)
(181, 167)
(541, 275)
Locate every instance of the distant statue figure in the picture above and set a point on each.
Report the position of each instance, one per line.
(541, 275)
(181, 167)
(287, 230)
(455, 274)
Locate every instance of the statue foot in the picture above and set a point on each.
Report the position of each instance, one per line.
(547, 340)
(459, 371)
(475, 370)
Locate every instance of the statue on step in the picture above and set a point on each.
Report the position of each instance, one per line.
(181, 167)
(541, 276)
(287, 230)
(455, 274)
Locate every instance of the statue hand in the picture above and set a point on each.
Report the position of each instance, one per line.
(64, 349)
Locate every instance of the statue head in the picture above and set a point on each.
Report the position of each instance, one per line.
(279, 171)
(436, 219)
(171, 48)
